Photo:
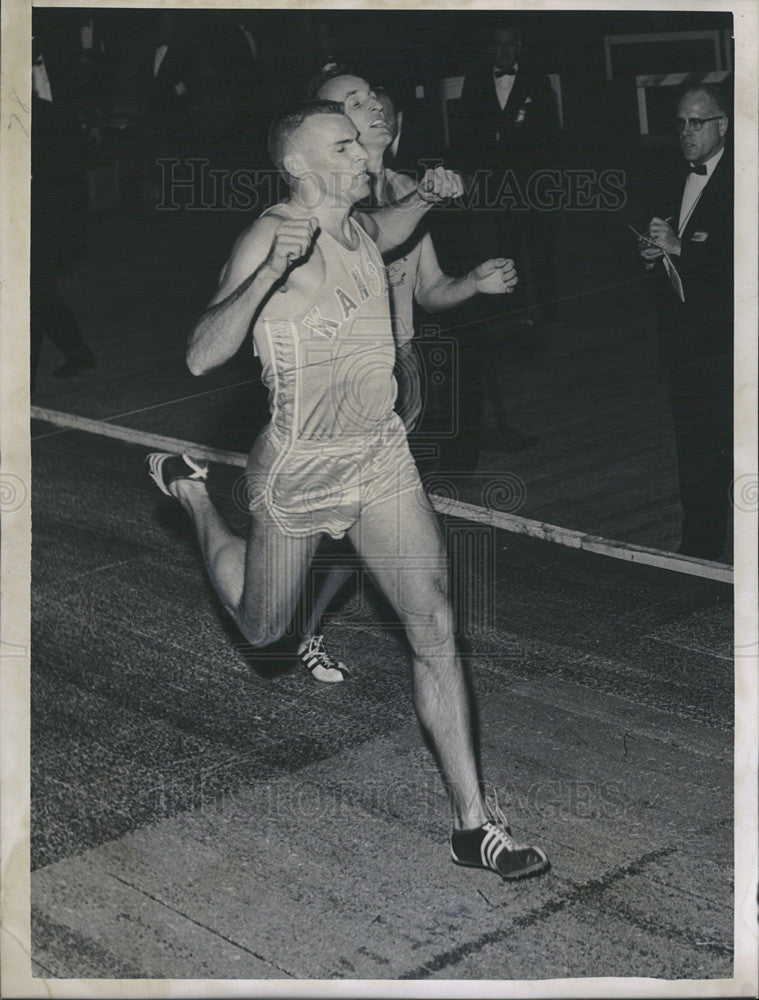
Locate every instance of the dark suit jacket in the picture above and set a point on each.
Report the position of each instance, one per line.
(175, 70)
(520, 135)
(702, 326)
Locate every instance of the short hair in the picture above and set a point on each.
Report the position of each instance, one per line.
(718, 95)
(287, 122)
(316, 83)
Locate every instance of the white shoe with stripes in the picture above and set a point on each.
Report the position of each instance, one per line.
(165, 468)
(320, 663)
(492, 847)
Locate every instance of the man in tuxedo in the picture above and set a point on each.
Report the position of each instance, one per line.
(506, 127)
(507, 113)
(694, 225)
(503, 128)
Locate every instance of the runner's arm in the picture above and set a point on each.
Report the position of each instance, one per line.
(391, 226)
(260, 259)
(435, 291)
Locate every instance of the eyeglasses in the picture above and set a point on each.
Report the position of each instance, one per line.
(695, 124)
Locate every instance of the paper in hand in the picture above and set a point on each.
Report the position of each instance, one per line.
(672, 272)
(675, 280)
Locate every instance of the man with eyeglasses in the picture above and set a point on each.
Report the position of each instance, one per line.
(694, 233)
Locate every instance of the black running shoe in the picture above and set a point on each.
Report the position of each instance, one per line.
(491, 846)
(165, 468)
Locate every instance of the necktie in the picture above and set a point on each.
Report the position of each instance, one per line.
(699, 168)
(498, 73)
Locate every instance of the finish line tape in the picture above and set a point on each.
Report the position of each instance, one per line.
(443, 505)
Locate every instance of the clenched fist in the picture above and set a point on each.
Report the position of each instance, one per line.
(495, 276)
(439, 185)
(292, 241)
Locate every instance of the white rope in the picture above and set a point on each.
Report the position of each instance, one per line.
(443, 505)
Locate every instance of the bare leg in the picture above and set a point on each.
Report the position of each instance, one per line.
(223, 551)
(336, 580)
(400, 542)
(258, 580)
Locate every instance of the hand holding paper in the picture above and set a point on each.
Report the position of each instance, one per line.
(662, 233)
(650, 251)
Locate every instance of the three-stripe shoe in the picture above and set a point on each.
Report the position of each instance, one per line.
(321, 664)
(491, 846)
(165, 469)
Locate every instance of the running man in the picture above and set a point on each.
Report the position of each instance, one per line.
(334, 459)
(413, 273)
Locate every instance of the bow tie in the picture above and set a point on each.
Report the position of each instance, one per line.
(699, 168)
(498, 73)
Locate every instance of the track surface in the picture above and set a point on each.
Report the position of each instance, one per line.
(198, 812)
(201, 812)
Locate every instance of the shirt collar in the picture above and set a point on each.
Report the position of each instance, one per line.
(712, 162)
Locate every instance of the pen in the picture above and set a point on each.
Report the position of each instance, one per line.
(646, 239)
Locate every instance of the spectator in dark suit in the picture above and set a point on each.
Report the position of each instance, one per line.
(93, 60)
(153, 104)
(504, 128)
(506, 111)
(319, 47)
(159, 76)
(233, 87)
(694, 225)
(73, 47)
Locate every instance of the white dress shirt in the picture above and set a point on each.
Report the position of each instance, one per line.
(504, 85)
(694, 186)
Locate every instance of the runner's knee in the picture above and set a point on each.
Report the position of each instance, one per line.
(431, 629)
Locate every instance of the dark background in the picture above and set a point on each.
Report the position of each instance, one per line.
(589, 386)
(401, 50)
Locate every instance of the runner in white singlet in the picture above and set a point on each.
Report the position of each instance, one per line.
(334, 444)
(311, 360)
(281, 270)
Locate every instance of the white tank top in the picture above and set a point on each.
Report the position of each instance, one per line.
(329, 370)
